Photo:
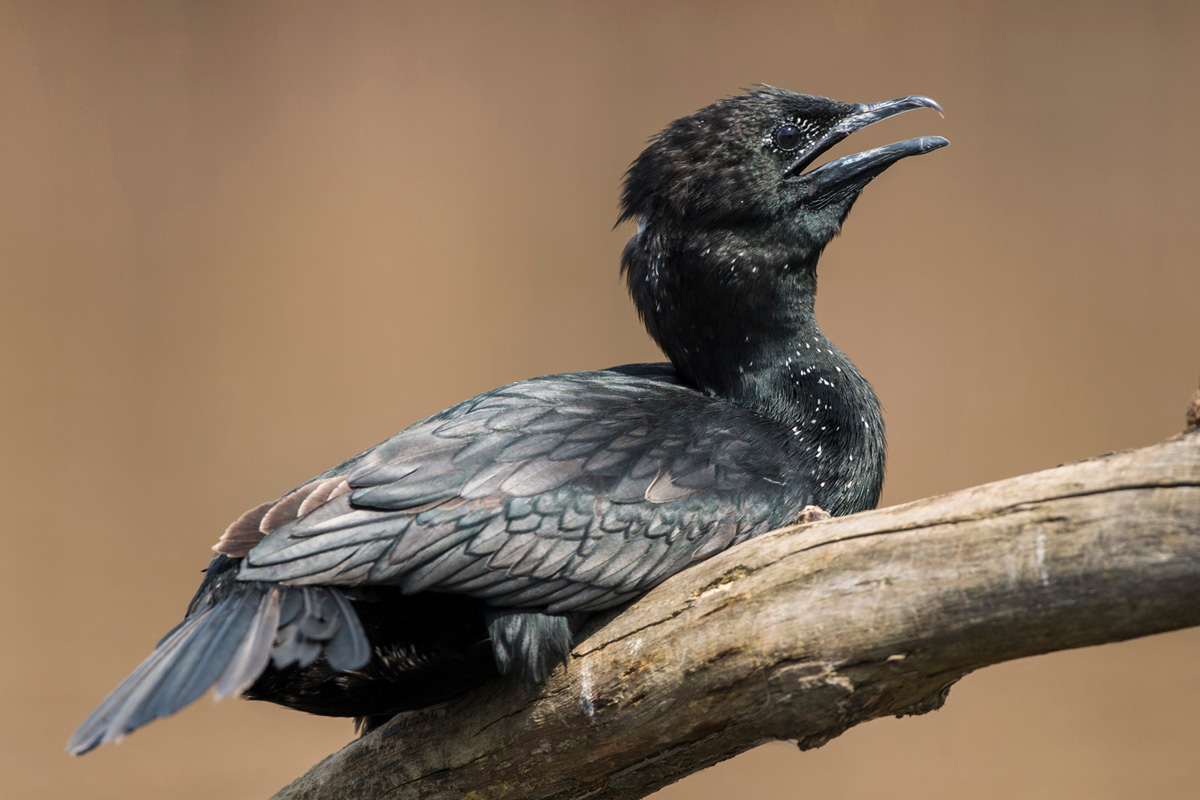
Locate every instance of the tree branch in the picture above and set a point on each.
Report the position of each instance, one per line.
(806, 631)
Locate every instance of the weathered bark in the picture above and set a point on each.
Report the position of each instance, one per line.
(808, 630)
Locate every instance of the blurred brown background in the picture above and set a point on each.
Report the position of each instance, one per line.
(241, 241)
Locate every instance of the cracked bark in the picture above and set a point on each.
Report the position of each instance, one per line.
(806, 631)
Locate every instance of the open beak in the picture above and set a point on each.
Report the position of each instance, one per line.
(853, 172)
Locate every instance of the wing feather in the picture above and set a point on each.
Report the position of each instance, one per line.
(565, 492)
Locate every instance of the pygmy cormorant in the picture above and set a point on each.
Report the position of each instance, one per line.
(469, 543)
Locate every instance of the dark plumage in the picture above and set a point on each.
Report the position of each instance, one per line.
(471, 543)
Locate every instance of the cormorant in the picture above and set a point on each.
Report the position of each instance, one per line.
(468, 544)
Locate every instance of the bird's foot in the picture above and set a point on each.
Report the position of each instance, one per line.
(811, 514)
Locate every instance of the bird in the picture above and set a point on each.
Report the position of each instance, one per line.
(472, 544)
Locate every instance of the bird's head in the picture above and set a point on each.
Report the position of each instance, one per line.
(745, 161)
(732, 217)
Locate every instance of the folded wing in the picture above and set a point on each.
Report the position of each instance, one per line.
(562, 493)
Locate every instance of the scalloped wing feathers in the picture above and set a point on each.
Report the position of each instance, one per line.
(566, 492)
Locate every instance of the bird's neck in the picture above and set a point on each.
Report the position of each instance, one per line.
(737, 321)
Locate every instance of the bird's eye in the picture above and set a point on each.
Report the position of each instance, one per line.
(788, 137)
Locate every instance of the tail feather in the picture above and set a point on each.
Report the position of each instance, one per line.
(348, 649)
(107, 723)
(196, 662)
(226, 647)
(315, 620)
(253, 651)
